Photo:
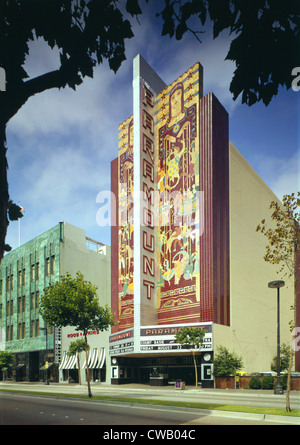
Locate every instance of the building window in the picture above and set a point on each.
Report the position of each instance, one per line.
(9, 307)
(19, 305)
(0, 310)
(32, 328)
(37, 299)
(19, 278)
(23, 277)
(32, 300)
(52, 265)
(21, 331)
(47, 267)
(37, 271)
(23, 303)
(32, 275)
(9, 333)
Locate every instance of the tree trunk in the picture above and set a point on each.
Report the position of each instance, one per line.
(4, 195)
(288, 383)
(196, 371)
(79, 374)
(87, 365)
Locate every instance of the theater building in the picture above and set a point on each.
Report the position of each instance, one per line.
(185, 251)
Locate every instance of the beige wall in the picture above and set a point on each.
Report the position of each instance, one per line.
(95, 267)
(253, 328)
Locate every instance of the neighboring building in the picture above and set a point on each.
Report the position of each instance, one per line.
(24, 274)
(185, 251)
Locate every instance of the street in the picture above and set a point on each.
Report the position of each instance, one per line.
(23, 409)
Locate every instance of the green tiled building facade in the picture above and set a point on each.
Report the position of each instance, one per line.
(24, 274)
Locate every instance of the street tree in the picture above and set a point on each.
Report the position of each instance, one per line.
(285, 353)
(283, 237)
(74, 302)
(226, 363)
(75, 348)
(6, 360)
(193, 338)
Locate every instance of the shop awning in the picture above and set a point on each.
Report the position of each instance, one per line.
(69, 362)
(43, 368)
(96, 359)
(19, 366)
(64, 360)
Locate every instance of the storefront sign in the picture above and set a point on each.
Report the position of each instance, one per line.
(80, 334)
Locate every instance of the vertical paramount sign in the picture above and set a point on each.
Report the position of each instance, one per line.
(171, 180)
(146, 85)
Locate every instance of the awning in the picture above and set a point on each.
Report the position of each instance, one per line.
(19, 366)
(43, 368)
(96, 359)
(64, 360)
(69, 362)
(72, 363)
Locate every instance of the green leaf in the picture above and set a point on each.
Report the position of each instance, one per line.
(133, 7)
(14, 211)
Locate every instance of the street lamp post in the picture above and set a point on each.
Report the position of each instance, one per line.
(277, 285)
(46, 361)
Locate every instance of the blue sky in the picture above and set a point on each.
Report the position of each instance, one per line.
(61, 143)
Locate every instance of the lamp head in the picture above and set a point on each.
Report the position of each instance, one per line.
(276, 284)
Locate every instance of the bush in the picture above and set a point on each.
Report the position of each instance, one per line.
(255, 383)
(267, 382)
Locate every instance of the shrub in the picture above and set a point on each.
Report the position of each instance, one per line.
(267, 382)
(255, 383)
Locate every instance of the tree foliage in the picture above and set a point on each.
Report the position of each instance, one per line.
(75, 348)
(6, 359)
(285, 352)
(226, 363)
(283, 250)
(265, 39)
(85, 32)
(74, 302)
(193, 338)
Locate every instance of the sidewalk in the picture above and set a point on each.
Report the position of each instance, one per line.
(99, 387)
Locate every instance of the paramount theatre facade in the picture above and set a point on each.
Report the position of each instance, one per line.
(182, 249)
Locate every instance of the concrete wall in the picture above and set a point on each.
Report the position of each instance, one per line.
(252, 333)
